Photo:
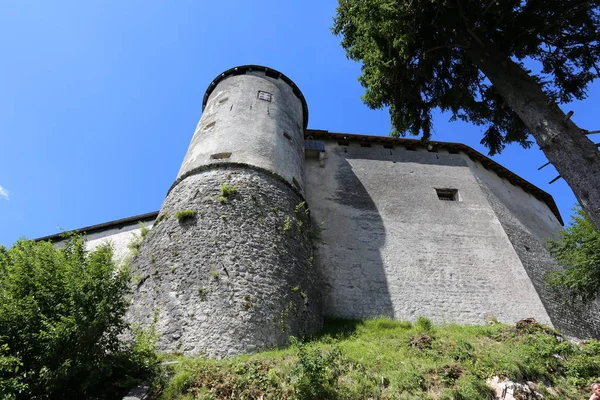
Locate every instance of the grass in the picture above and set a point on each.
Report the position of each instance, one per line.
(183, 215)
(384, 359)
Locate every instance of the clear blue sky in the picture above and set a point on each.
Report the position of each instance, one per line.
(99, 100)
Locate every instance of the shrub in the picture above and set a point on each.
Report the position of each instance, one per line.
(316, 373)
(61, 320)
(578, 249)
(183, 215)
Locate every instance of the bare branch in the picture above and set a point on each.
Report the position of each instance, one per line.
(548, 163)
(554, 180)
(569, 115)
(488, 7)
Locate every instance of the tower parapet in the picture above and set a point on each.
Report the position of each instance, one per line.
(228, 266)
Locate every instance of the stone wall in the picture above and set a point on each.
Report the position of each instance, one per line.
(528, 224)
(391, 247)
(239, 276)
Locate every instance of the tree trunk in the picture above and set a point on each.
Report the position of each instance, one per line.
(566, 146)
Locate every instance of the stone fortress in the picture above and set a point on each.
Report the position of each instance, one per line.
(269, 227)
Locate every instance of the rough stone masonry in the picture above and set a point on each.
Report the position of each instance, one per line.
(228, 267)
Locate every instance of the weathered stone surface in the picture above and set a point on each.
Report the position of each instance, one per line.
(392, 247)
(237, 277)
(528, 225)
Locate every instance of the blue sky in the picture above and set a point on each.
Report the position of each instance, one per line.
(99, 100)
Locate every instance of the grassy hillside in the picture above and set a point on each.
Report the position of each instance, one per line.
(384, 359)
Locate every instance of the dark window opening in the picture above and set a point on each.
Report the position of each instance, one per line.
(388, 146)
(410, 148)
(453, 151)
(365, 145)
(343, 143)
(432, 149)
(447, 194)
(266, 96)
(287, 136)
(219, 156)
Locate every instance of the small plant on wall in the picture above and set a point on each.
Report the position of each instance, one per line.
(184, 215)
(226, 192)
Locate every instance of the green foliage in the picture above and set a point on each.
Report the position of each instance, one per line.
(578, 249)
(227, 191)
(183, 215)
(287, 224)
(422, 55)
(144, 230)
(375, 359)
(137, 239)
(162, 217)
(315, 373)
(424, 324)
(61, 320)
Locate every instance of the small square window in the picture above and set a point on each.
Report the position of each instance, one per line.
(447, 194)
(266, 96)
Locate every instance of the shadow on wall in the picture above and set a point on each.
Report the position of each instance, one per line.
(567, 315)
(355, 283)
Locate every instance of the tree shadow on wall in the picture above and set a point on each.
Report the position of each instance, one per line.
(355, 284)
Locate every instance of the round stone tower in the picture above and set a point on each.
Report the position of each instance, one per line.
(228, 265)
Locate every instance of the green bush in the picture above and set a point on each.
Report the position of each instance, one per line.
(61, 323)
(578, 249)
(316, 373)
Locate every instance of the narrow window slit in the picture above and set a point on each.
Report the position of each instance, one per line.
(219, 156)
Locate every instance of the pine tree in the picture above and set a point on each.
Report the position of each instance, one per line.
(467, 57)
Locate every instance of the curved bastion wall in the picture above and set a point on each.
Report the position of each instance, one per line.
(237, 274)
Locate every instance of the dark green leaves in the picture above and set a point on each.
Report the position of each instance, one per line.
(415, 56)
(61, 314)
(578, 249)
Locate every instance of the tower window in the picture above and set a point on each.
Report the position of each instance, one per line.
(447, 194)
(219, 156)
(266, 96)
